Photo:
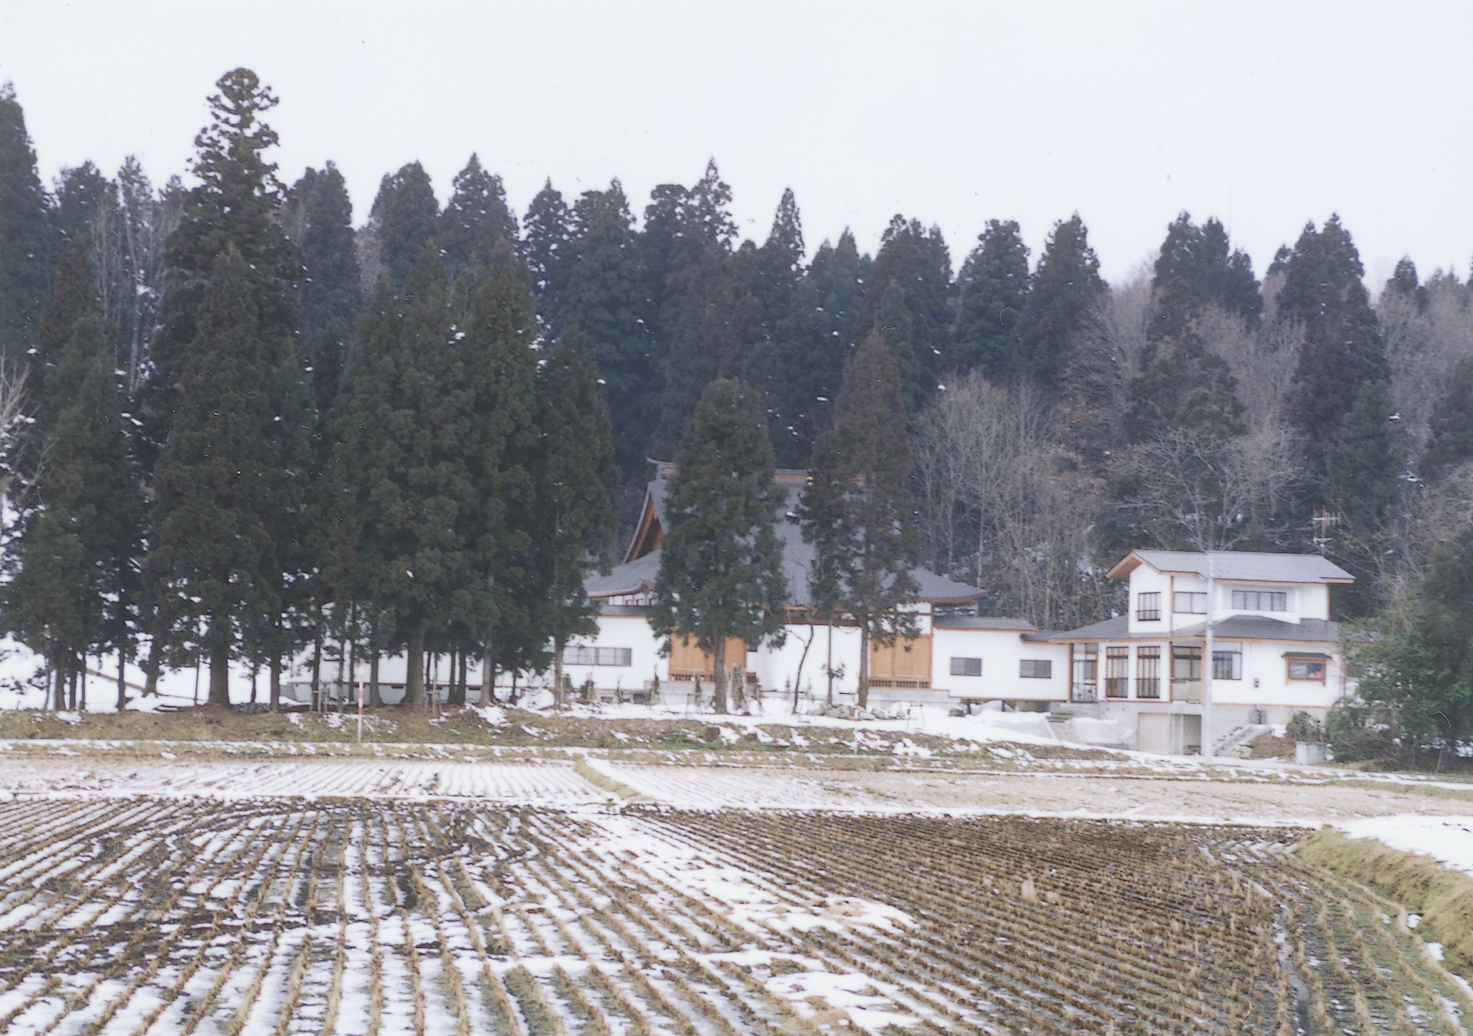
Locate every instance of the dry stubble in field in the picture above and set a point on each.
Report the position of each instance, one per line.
(354, 916)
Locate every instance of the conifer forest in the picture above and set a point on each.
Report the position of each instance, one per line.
(241, 415)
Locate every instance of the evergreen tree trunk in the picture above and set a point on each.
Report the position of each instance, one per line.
(414, 669)
(154, 664)
(316, 665)
(122, 684)
(275, 682)
(718, 686)
(864, 665)
(374, 701)
(465, 675)
(457, 685)
(558, 643)
(219, 672)
(488, 672)
(830, 665)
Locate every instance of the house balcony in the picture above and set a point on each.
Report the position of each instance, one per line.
(1186, 690)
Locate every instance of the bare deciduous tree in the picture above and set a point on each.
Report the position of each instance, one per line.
(126, 250)
(1423, 344)
(1200, 492)
(1007, 506)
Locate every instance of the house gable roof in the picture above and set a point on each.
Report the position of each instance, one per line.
(642, 559)
(1236, 566)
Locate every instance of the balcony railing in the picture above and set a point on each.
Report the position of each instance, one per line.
(1117, 687)
(1189, 691)
(1148, 687)
(1082, 692)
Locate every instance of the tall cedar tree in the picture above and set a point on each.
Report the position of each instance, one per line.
(1340, 382)
(1404, 282)
(769, 277)
(577, 489)
(230, 483)
(1184, 403)
(1182, 386)
(1064, 286)
(1450, 441)
(235, 206)
(364, 498)
(320, 219)
(402, 486)
(606, 294)
(721, 572)
(25, 242)
(909, 302)
(820, 336)
(73, 572)
(697, 319)
(547, 247)
(1213, 271)
(82, 196)
(73, 297)
(475, 218)
(404, 218)
(230, 261)
(992, 294)
(498, 524)
(857, 509)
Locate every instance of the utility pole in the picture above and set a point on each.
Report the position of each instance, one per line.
(1207, 661)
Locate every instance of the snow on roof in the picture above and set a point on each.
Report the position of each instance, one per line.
(1237, 566)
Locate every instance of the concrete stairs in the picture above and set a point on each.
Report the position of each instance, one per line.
(1238, 742)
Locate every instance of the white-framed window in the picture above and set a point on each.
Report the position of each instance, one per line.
(1189, 603)
(1261, 600)
(589, 655)
(1186, 663)
(1148, 607)
(1036, 669)
(1307, 668)
(966, 666)
(1227, 661)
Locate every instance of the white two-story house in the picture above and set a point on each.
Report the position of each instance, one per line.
(1274, 650)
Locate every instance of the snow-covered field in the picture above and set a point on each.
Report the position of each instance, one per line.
(548, 782)
(1448, 839)
(381, 915)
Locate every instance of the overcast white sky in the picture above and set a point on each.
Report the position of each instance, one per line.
(1263, 114)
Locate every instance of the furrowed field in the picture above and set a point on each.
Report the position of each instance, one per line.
(134, 914)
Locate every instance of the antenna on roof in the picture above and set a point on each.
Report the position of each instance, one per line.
(1322, 521)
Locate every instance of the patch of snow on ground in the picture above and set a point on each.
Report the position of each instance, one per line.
(1446, 839)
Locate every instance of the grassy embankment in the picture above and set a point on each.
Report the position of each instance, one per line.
(1442, 896)
(516, 730)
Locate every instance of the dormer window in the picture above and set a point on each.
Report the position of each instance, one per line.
(1148, 607)
(1261, 600)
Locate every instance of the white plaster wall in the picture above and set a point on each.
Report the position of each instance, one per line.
(1001, 652)
(778, 669)
(1264, 661)
(1145, 580)
(621, 631)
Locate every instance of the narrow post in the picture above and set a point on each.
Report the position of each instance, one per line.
(1207, 663)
